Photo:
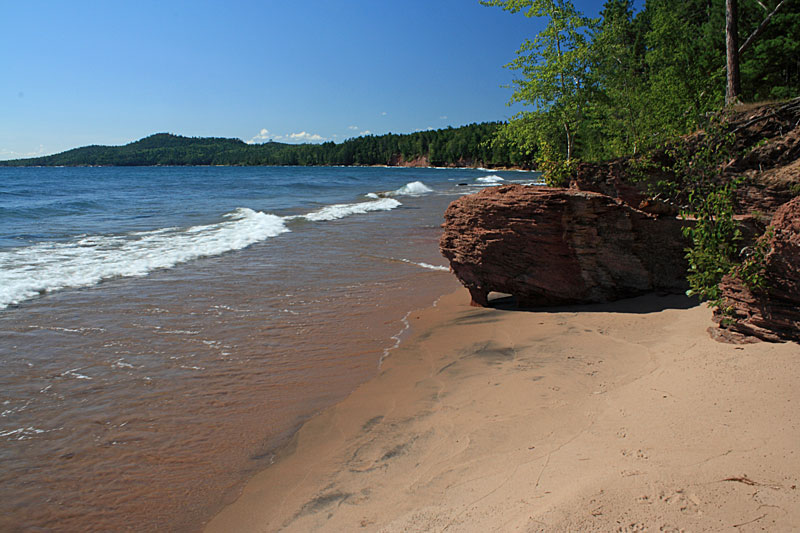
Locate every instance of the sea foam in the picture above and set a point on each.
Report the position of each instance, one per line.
(426, 265)
(415, 188)
(49, 266)
(336, 211)
(493, 178)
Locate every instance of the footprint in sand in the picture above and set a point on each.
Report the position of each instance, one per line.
(686, 501)
(638, 454)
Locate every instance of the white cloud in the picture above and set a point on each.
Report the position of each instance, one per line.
(306, 137)
(383, 114)
(11, 154)
(365, 132)
(352, 127)
(429, 128)
(443, 117)
(265, 135)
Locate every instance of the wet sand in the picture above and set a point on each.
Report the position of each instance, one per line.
(147, 403)
(619, 417)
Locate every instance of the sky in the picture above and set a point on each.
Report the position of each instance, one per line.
(111, 72)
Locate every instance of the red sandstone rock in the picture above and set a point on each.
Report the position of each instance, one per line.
(611, 179)
(398, 160)
(774, 314)
(549, 246)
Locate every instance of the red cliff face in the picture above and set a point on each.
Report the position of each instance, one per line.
(398, 160)
(772, 314)
(549, 246)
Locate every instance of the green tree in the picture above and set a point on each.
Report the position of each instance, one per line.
(685, 55)
(770, 68)
(619, 108)
(555, 77)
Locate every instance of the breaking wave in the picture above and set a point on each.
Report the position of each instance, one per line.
(336, 211)
(49, 266)
(414, 188)
(494, 178)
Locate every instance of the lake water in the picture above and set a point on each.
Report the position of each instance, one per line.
(164, 329)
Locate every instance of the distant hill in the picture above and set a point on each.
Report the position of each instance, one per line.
(469, 145)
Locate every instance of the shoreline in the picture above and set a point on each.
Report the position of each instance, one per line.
(616, 416)
(454, 167)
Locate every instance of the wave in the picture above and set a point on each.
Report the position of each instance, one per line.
(414, 188)
(493, 178)
(86, 260)
(336, 211)
(50, 266)
(426, 265)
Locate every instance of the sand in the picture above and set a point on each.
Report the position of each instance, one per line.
(618, 417)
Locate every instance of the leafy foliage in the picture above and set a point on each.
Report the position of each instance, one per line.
(714, 236)
(752, 269)
(691, 176)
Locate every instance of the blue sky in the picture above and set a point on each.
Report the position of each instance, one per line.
(111, 72)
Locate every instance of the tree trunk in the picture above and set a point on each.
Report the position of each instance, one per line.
(569, 141)
(734, 88)
(564, 91)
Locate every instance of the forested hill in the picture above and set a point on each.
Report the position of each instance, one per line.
(464, 146)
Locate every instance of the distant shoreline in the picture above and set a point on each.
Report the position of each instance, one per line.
(472, 145)
(476, 167)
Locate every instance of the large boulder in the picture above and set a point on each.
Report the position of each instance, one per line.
(772, 314)
(550, 246)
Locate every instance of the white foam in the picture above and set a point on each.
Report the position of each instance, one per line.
(397, 338)
(415, 188)
(493, 178)
(74, 374)
(49, 266)
(24, 433)
(427, 265)
(336, 211)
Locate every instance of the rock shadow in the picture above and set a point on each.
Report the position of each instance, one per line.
(648, 303)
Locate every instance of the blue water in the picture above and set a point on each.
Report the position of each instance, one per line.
(75, 227)
(41, 204)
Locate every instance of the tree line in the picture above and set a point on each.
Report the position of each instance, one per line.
(469, 145)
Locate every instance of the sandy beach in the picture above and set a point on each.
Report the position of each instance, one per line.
(616, 417)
